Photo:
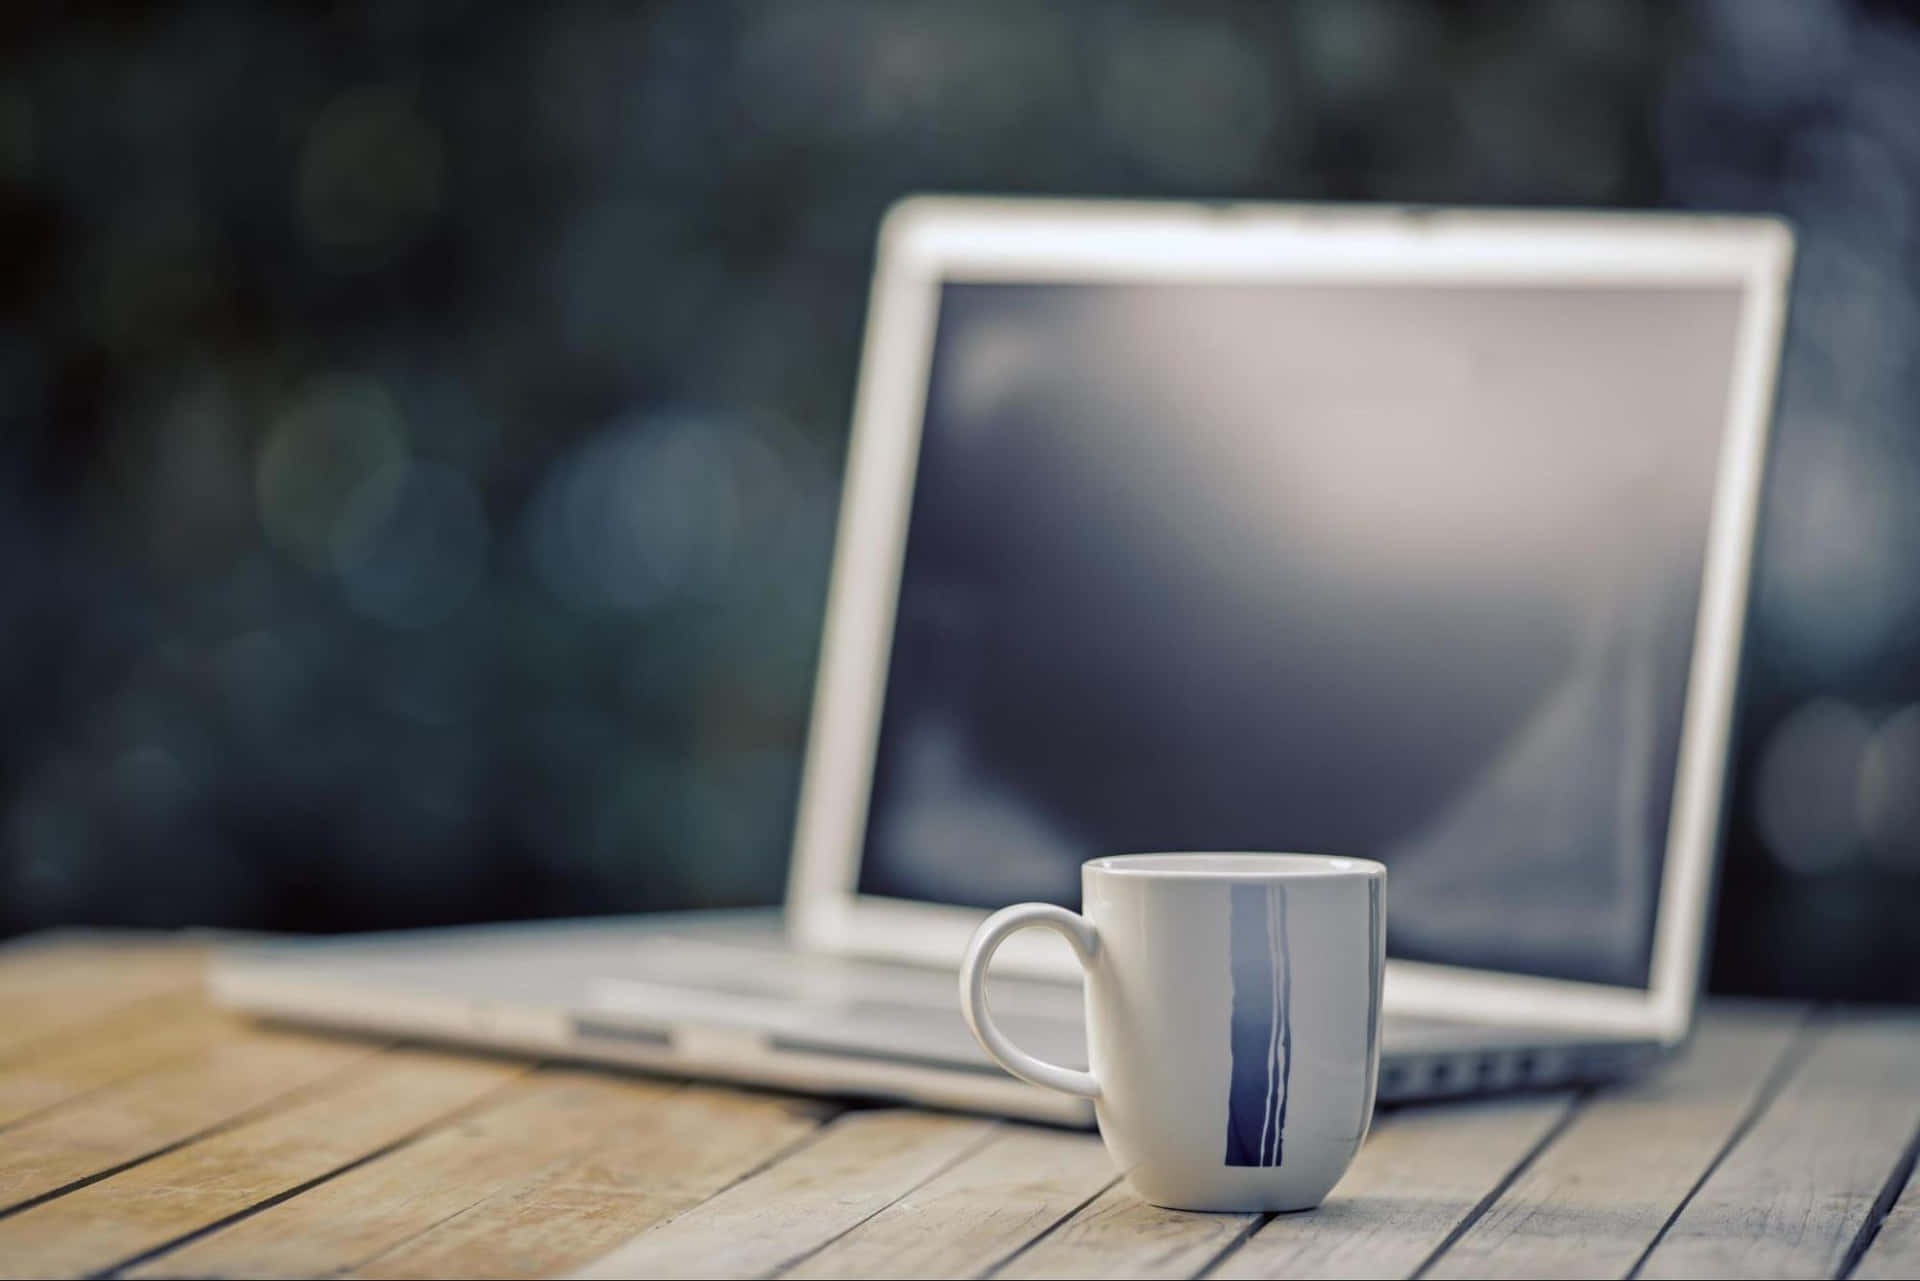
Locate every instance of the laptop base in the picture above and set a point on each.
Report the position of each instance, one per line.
(724, 995)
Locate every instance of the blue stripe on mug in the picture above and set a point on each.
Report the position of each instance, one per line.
(1262, 1033)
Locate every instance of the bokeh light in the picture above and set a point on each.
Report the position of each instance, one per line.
(1838, 581)
(1807, 786)
(643, 512)
(370, 177)
(1889, 792)
(413, 559)
(1215, 134)
(420, 428)
(331, 466)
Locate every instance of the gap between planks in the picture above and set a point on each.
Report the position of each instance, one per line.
(1430, 1180)
(1594, 1200)
(1422, 1174)
(861, 1163)
(118, 1047)
(1776, 1079)
(118, 1127)
(1889, 1242)
(552, 1170)
(971, 1217)
(1798, 1191)
(171, 1195)
(1807, 1081)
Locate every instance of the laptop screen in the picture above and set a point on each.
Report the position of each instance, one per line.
(1406, 571)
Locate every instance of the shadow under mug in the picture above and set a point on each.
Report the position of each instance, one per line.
(1233, 1019)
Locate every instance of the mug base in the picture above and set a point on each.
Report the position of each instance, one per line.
(1229, 1195)
(1251, 1205)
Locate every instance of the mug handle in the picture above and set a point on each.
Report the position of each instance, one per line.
(986, 940)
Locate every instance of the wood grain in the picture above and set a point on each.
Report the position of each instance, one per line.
(859, 1165)
(1793, 1193)
(56, 991)
(1895, 1252)
(115, 1048)
(136, 1125)
(710, 1139)
(512, 1141)
(977, 1213)
(164, 1199)
(1421, 1174)
(1119, 1235)
(559, 1168)
(1591, 1204)
(175, 1102)
(54, 956)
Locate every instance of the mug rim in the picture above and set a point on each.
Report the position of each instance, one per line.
(1235, 865)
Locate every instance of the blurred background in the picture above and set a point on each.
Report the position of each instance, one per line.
(421, 424)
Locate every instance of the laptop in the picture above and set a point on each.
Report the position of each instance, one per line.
(1423, 535)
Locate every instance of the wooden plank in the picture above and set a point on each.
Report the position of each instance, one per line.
(29, 960)
(1419, 1177)
(116, 1048)
(706, 1139)
(558, 1169)
(976, 1214)
(34, 959)
(131, 1120)
(1794, 1192)
(861, 1163)
(1591, 1204)
(140, 1209)
(33, 966)
(55, 992)
(511, 1142)
(1119, 1235)
(1894, 1254)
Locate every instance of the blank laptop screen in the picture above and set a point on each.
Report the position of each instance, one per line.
(1406, 571)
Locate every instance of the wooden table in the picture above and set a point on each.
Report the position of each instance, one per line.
(142, 1134)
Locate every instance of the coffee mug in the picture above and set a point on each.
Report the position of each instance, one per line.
(1233, 1019)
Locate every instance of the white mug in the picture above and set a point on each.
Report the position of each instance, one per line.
(1233, 1019)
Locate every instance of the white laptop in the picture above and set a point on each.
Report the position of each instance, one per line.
(1423, 535)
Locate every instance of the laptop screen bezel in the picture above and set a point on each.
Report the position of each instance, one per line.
(928, 242)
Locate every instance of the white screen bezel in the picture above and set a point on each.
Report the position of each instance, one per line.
(928, 241)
